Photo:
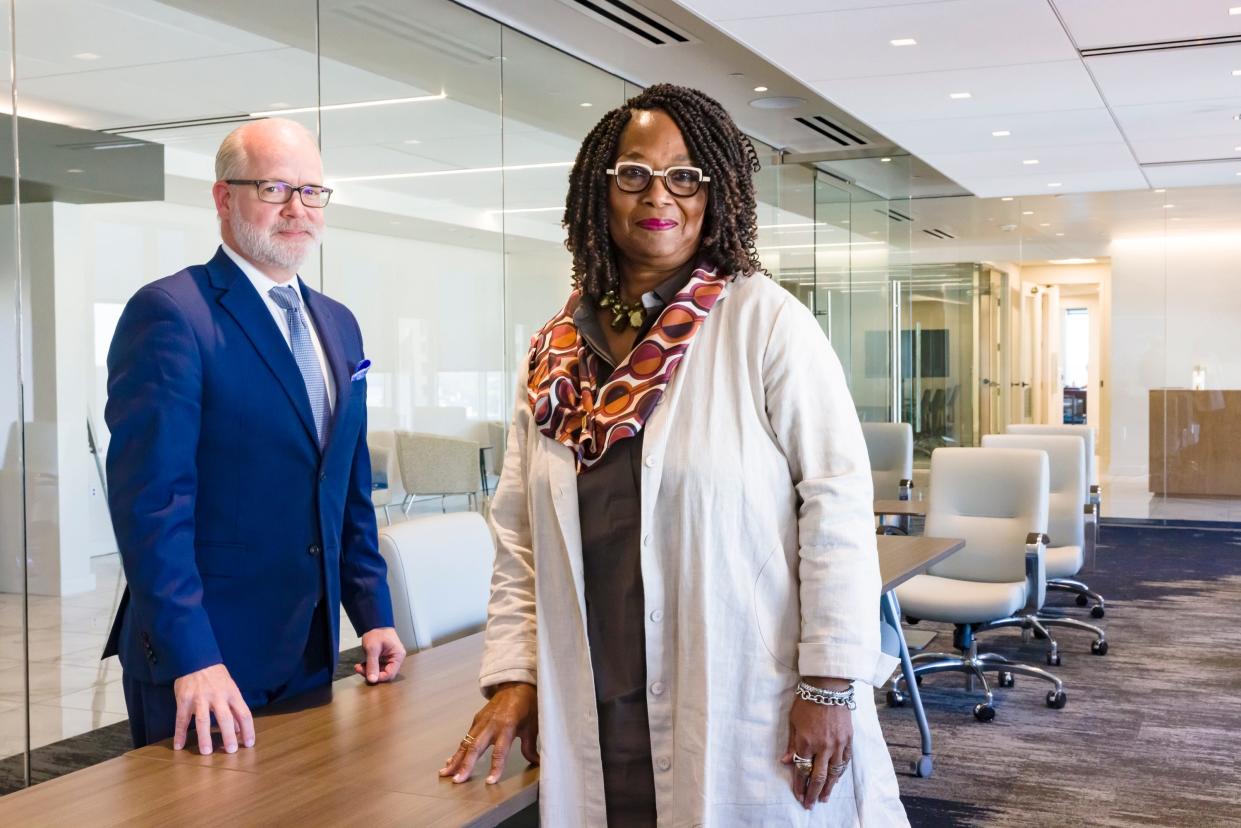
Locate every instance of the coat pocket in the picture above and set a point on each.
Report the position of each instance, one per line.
(777, 608)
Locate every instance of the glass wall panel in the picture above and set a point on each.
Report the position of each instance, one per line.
(121, 106)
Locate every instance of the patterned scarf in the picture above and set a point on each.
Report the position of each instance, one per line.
(562, 389)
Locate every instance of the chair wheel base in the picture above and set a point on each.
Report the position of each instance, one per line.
(984, 712)
(1005, 679)
(1057, 700)
(1039, 634)
(1098, 647)
(1053, 659)
(923, 768)
(896, 698)
(1097, 612)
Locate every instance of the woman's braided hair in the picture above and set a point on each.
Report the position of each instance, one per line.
(715, 144)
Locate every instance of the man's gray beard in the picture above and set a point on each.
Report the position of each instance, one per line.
(265, 248)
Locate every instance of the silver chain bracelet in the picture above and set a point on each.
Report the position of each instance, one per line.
(830, 698)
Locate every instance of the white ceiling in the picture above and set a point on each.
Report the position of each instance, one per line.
(1096, 123)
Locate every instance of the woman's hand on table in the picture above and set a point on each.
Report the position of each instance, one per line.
(512, 713)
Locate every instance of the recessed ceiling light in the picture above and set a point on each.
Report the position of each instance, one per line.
(1054, 184)
(73, 170)
(959, 96)
(1176, 218)
(1161, 191)
(1010, 198)
(1029, 162)
(1059, 234)
(1168, 206)
(86, 56)
(1027, 212)
(1073, 261)
(585, 104)
(904, 41)
(412, 141)
(760, 89)
(1235, 10)
(885, 160)
(1236, 73)
(1045, 224)
(1001, 133)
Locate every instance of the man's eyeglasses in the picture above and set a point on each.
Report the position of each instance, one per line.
(279, 192)
(683, 182)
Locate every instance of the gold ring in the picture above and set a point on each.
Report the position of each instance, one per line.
(803, 764)
(468, 741)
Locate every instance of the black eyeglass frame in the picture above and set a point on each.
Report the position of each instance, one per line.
(301, 191)
(653, 174)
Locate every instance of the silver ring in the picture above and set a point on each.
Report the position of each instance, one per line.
(837, 770)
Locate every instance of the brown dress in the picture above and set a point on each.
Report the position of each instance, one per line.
(609, 507)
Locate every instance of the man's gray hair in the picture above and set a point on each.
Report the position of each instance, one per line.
(231, 158)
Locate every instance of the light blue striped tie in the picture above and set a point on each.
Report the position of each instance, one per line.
(304, 352)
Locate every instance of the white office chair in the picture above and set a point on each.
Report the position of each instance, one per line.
(439, 574)
(996, 500)
(891, 450)
(439, 466)
(1087, 434)
(1071, 533)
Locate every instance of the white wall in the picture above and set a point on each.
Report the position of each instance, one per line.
(1175, 305)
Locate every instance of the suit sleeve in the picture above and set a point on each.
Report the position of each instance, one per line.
(363, 573)
(153, 411)
(811, 412)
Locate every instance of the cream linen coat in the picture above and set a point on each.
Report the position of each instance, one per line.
(758, 562)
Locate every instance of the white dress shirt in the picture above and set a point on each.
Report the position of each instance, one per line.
(263, 284)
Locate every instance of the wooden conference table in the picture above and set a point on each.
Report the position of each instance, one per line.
(369, 757)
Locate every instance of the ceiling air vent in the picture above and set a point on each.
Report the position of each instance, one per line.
(833, 131)
(939, 234)
(894, 215)
(632, 20)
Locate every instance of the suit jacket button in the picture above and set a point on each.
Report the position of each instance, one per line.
(323, 477)
(314, 550)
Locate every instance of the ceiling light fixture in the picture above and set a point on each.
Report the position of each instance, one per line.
(1161, 190)
(1235, 10)
(1029, 162)
(468, 171)
(411, 141)
(585, 104)
(1010, 198)
(355, 105)
(1168, 206)
(760, 89)
(1027, 212)
(527, 210)
(1045, 224)
(1072, 261)
(959, 96)
(1236, 73)
(1059, 234)
(904, 41)
(1001, 133)
(86, 56)
(1054, 184)
(885, 160)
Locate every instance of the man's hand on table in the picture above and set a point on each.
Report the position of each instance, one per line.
(203, 693)
(384, 655)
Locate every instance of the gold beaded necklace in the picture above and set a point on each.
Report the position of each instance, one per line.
(624, 314)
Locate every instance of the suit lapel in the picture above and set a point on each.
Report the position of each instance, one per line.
(243, 303)
(334, 353)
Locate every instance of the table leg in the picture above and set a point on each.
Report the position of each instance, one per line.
(892, 614)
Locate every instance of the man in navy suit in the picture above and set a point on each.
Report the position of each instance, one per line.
(238, 475)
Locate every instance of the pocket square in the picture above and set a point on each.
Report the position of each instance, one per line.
(360, 371)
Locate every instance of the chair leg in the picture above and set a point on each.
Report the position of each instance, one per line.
(1098, 646)
(387, 515)
(1028, 624)
(406, 504)
(1084, 592)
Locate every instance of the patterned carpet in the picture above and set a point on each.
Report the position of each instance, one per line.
(1149, 736)
(1150, 733)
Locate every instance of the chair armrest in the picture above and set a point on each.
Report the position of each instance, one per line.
(906, 487)
(1095, 497)
(1036, 573)
(1091, 511)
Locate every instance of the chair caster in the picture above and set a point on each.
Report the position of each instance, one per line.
(923, 768)
(1053, 659)
(1055, 700)
(1097, 612)
(910, 620)
(1098, 647)
(1082, 600)
(984, 712)
(1005, 678)
(896, 698)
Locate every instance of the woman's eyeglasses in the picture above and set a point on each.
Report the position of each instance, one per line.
(279, 192)
(633, 177)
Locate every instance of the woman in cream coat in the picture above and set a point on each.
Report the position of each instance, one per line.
(757, 552)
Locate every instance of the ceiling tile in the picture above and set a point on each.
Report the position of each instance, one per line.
(1187, 119)
(1027, 131)
(1200, 73)
(1096, 23)
(1195, 175)
(737, 9)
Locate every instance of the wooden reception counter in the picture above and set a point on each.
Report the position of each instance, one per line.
(1195, 442)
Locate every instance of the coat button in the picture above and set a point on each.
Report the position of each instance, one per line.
(663, 763)
(314, 550)
(323, 477)
(649, 462)
(646, 540)
(657, 689)
(657, 616)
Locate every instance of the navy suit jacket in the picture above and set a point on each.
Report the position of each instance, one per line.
(231, 523)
